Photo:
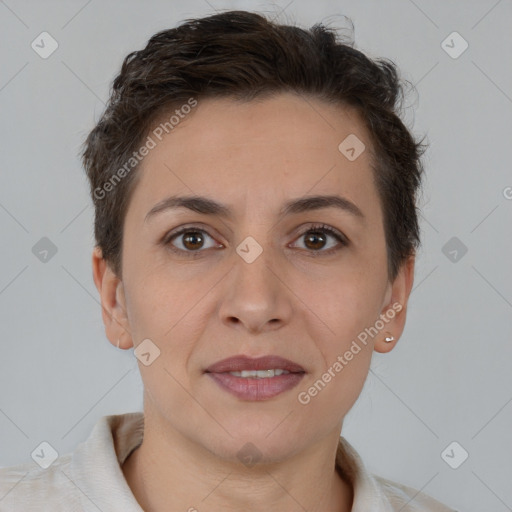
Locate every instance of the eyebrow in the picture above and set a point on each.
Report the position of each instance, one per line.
(208, 206)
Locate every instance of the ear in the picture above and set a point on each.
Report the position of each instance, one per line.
(113, 302)
(397, 297)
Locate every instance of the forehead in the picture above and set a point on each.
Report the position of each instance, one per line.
(252, 154)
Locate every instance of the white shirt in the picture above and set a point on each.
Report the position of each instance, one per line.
(91, 479)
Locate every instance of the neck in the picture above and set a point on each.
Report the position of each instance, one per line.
(163, 479)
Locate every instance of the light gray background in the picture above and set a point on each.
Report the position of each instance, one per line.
(448, 379)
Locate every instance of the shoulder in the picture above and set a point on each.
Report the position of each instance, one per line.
(408, 499)
(89, 478)
(372, 491)
(31, 488)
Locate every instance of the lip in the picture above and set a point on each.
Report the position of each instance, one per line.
(252, 389)
(242, 362)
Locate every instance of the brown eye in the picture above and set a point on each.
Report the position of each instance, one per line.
(189, 240)
(315, 240)
(193, 240)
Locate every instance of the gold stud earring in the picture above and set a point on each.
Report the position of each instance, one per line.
(389, 338)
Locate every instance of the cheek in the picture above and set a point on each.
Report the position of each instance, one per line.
(346, 357)
(334, 389)
(349, 300)
(171, 314)
(159, 314)
(154, 303)
(347, 308)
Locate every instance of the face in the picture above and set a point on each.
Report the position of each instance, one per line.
(300, 284)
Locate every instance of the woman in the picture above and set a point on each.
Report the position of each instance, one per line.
(256, 228)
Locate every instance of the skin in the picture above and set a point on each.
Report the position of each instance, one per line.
(252, 157)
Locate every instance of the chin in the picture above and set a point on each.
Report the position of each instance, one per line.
(251, 446)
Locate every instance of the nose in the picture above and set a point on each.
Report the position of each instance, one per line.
(255, 295)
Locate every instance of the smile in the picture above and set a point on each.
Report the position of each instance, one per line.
(259, 374)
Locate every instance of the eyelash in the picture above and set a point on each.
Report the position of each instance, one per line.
(316, 228)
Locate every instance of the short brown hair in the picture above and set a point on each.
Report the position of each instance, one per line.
(244, 55)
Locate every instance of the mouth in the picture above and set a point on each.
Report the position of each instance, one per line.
(256, 379)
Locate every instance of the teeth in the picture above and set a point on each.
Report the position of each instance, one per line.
(259, 374)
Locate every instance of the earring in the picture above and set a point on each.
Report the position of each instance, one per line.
(118, 341)
(390, 338)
